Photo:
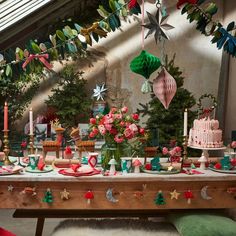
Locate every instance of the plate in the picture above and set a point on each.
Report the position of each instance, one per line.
(8, 170)
(45, 169)
(161, 172)
(223, 171)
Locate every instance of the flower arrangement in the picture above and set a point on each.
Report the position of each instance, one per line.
(116, 126)
(233, 145)
(174, 154)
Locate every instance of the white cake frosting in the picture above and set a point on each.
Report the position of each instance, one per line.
(205, 133)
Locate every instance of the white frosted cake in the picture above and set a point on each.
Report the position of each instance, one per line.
(205, 133)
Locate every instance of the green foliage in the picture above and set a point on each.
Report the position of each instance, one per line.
(70, 98)
(169, 122)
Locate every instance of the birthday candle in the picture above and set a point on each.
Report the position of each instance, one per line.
(6, 116)
(185, 122)
(31, 121)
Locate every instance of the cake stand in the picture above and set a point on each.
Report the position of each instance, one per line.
(205, 155)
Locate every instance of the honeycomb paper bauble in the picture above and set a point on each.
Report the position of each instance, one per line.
(164, 87)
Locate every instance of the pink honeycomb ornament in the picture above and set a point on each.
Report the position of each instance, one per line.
(164, 87)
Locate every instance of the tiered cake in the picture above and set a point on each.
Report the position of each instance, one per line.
(205, 134)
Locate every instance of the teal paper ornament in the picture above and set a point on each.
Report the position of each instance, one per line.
(145, 64)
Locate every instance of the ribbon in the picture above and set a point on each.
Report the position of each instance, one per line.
(40, 57)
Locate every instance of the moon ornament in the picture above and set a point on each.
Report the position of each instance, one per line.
(110, 197)
(204, 194)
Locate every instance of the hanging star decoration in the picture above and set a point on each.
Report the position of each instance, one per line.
(99, 91)
(158, 24)
(65, 195)
(10, 188)
(174, 195)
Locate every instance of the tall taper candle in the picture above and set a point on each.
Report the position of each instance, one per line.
(31, 121)
(6, 116)
(185, 122)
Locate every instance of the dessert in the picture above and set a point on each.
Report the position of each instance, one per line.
(205, 133)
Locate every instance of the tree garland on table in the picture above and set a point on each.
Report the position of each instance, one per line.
(66, 41)
(223, 37)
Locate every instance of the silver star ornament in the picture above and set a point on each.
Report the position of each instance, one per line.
(158, 25)
(99, 91)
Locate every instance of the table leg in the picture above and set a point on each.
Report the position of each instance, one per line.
(39, 227)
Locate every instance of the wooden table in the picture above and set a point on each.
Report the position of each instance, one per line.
(135, 194)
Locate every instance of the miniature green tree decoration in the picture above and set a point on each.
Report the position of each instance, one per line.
(70, 98)
(48, 198)
(169, 123)
(159, 200)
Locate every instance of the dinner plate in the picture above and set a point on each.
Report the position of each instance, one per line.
(222, 171)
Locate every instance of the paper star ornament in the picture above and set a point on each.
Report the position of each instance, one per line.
(65, 195)
(174, 195)
(10, 188)
(158, 25)
(99, 91)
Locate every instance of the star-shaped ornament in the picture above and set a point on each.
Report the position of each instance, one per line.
(170, 168)
(65, 195)
(158, 24)
(174, 195)
(10, 188)
(99, 91)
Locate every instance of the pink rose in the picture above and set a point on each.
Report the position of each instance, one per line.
(165, 151)
(118, 116)
(108, 126)
(135, 116)
(102, 129)
(172, 152)
(178, 149)
(142, 131)
(95, 131)
(133, 127)
(113, 110)
(118, 139)
(128, 133)
(124, 109)
(233, 144)
(91, 135)
(122, 123)
(108, 118)
(92, 121)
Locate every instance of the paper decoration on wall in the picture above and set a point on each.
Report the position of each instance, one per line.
(164, 87)
(65, 195)
(159, 200)
(181, 2)
(134, 7)
(48, 198)
(145, 64)
(204, 194)
(110, 197)
(99, 92)
(174, 195)
(189, 196)
(157, 25)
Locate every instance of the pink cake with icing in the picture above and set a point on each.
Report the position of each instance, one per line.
(205, 133)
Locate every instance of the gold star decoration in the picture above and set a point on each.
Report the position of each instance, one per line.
(174, 195)
(10, 188)
(65, 195)
(170, 168)
(158, 25)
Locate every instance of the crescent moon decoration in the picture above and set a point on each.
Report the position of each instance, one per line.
(110, 197)
(204, 193)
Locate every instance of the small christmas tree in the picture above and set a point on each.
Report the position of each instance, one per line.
(169, 123)
(48, 198)
(159, 200)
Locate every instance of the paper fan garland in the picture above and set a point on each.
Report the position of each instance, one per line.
(145, 64)
(164, 87)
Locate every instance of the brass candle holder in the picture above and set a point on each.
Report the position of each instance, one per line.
(185, 146)
(31, 143)
(6, 148)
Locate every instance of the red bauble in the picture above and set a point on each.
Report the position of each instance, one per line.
(148, 166)
(217, 166)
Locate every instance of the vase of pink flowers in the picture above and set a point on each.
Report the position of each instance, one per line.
(118, 128)
(174, 154)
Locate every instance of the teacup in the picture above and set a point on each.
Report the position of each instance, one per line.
(33, 161)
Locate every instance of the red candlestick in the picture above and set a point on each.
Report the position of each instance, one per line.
(6, 116)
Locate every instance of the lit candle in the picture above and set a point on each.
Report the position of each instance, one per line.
(6, 116)
(185, 122)
(31, 121)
